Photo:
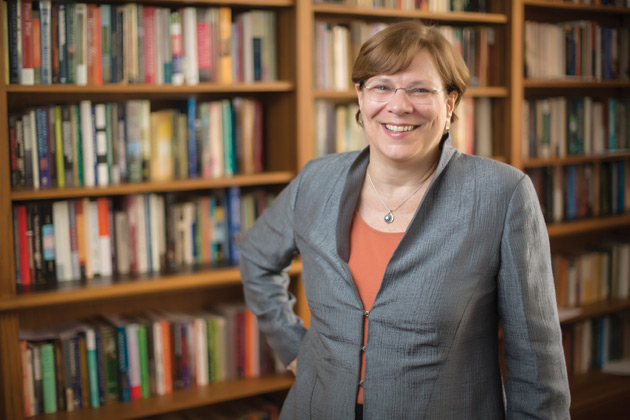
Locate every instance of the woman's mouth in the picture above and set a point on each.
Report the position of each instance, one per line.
(399, 128)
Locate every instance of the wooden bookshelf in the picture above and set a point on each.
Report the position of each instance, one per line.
(181, 400)
(185, 289)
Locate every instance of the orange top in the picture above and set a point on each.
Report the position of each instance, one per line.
(370, 251)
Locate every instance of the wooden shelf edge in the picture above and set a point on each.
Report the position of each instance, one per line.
(557, 230)
(420, 14)
(607, 385)
(569, 6)
(117, 88)
(155, 285)
(572, 83)
(595, 310)
(268, 178)
(572, 160)
(179, 400)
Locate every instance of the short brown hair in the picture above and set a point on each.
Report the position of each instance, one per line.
(394, 48)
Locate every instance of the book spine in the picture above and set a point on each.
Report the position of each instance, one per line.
(62, 43)
(15, 41)
(100, 124)
(71, 43)
(46, 45)
(234, 226)
(90, 341)
(27, 76)
(49, 387)
(176, 48)
(143, 354)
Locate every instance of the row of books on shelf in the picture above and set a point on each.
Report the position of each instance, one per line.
(564, 126)
(336, 128)
(593, 275)
(337, 131)
(582, 49)
(93, 362)
(595, 342)
(84, 43)
(60, 243)
(423, 5)
(90, 144)
(336, 47)
(575, 192)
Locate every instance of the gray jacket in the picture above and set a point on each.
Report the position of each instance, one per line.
(476, 255)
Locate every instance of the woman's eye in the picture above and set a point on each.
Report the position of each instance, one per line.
(420, 91)
(382, 88)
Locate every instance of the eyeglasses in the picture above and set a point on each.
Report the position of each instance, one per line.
(385, 93)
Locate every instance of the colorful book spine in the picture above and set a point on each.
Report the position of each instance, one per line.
(49, 387)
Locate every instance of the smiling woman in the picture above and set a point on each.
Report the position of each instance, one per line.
(412, 255)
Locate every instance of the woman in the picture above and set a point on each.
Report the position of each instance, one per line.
(412, 255)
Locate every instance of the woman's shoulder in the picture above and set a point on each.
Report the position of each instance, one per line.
(330, 164)
(491, 172)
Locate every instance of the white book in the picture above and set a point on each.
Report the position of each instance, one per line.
(61, 221)
(483, 127)
(156, 227)
(200, 338)
(598, 128)
(246, 47)
(217, 165)
(131, 332)
(176, 47)
(93, 241)
(82, 43)
(158, 356)
(190, 59)
(100, 123)
(341, 72)
(87, 143)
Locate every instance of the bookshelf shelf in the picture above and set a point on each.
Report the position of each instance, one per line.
(180, 400)
(557, 230)
(599, 309)
(106, 289)
(547, 4)
(117, 88)
(575, 83)
(611, 397)
(576, 160)
(443, 17)
(268, 178)
(491, 91)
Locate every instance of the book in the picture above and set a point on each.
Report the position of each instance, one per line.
(63, 256)
(47, 352)
(27, 76)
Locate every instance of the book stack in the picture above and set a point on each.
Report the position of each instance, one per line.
(118, 357)
(595, 342)
(576, 50)
(336, 128)
(337, 46)
(565, 126)
(65, 242)
(89, 144)
(82, 43)
(579, 191)
(593, 275)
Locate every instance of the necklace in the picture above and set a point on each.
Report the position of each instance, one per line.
(389, 217)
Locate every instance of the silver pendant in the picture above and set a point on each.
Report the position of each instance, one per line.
(389, 217)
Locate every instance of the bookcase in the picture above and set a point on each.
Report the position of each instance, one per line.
(555, 59)
(290, 140)
(178, 289)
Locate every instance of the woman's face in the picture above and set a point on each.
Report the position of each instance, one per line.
(400, 129)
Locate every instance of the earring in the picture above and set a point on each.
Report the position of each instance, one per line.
(447, 126)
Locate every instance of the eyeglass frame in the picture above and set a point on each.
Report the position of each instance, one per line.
(395, 89)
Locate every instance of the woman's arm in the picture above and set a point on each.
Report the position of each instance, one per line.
(536, 379)
(266, 252)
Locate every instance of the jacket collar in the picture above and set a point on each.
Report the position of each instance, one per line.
(352, 189)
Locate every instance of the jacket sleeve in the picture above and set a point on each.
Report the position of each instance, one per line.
(266, 253)
(536, 382)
